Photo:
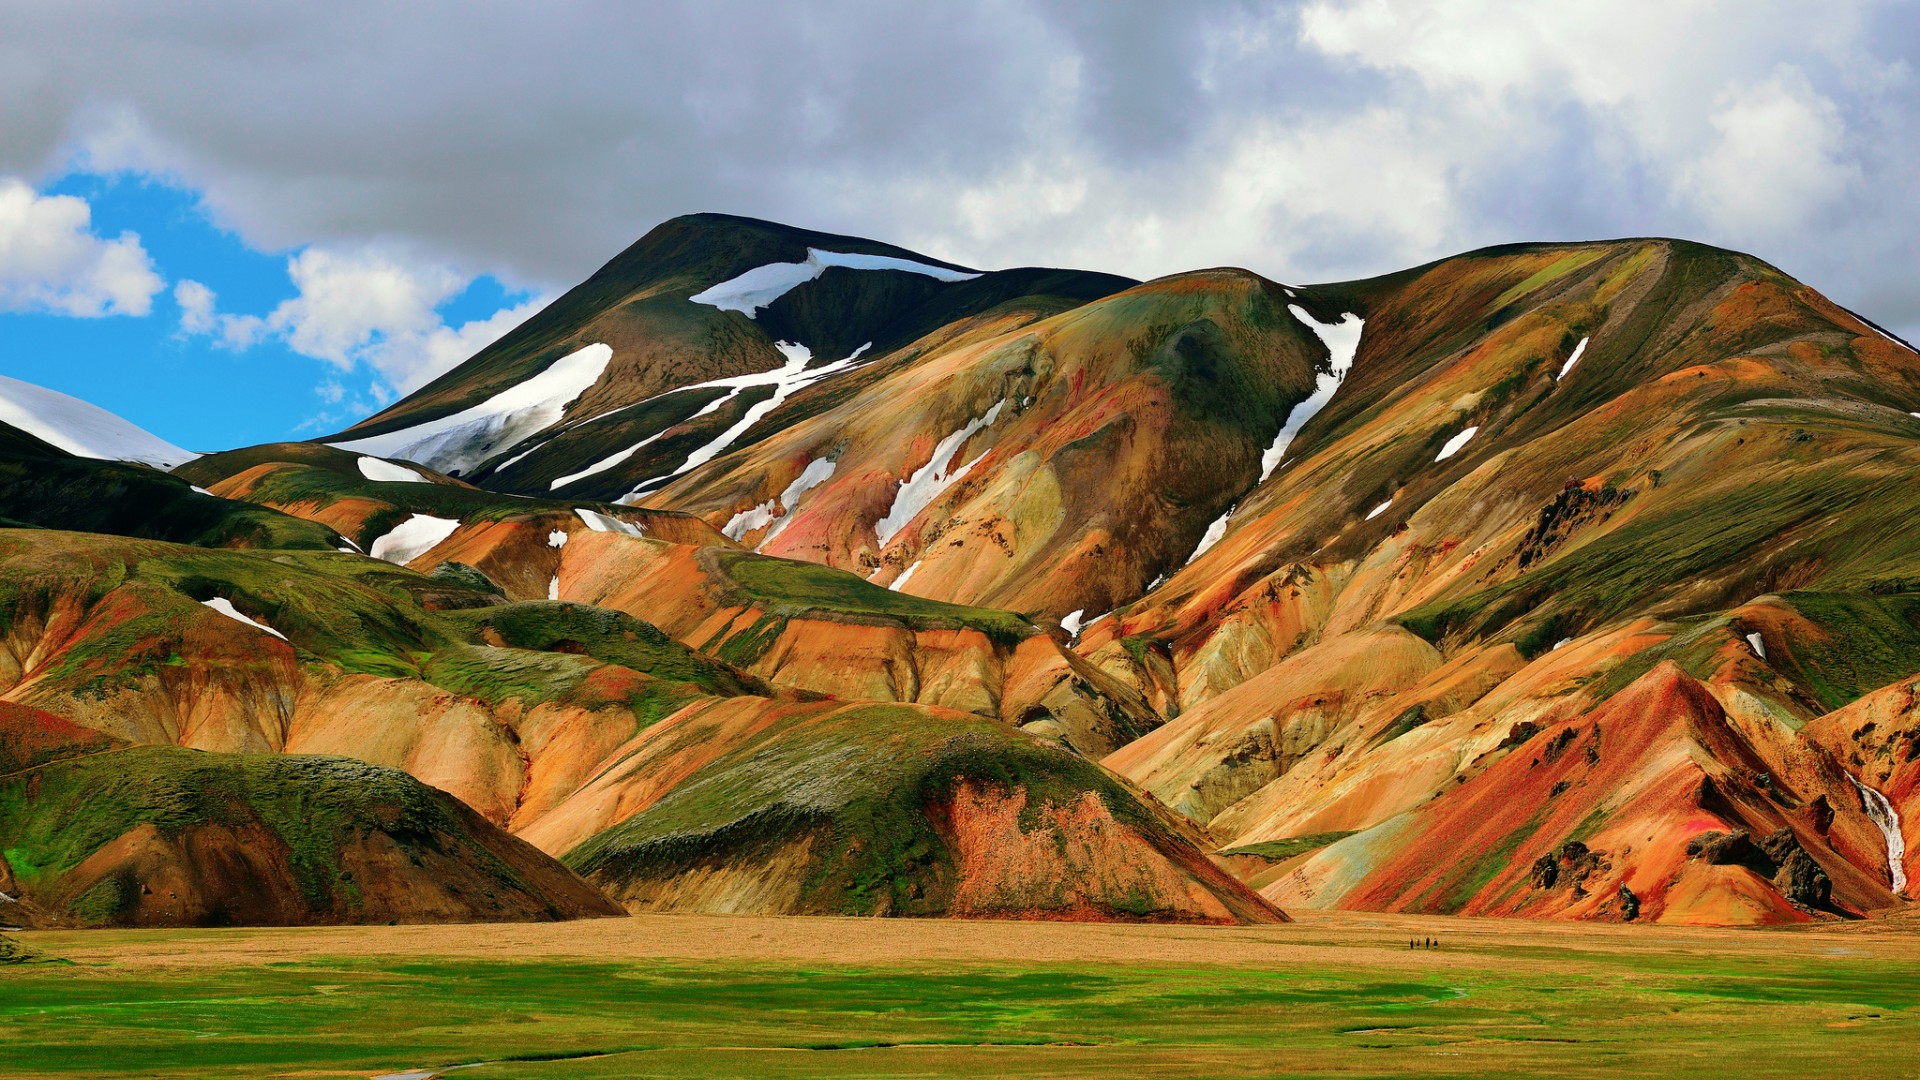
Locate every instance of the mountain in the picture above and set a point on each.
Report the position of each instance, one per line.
(771, 570)
(80, 428)
(681, 346)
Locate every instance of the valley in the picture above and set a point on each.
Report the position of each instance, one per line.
(690, 995)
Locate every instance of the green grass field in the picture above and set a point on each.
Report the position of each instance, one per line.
(1343, 997)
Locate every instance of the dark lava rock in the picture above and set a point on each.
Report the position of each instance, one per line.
(1799, 879)
(1629, 904)
(1546, 871)
(1519, 733)
(1731, 849)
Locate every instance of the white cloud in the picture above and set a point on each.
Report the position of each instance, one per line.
(195, 301)
(409, 361)
(347, 300)
(1102, 135)
(1775, 159)
(359, 307)
(52, 260)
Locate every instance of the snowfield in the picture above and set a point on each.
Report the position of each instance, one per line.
(83, 429)
(788, 378)
(600, 522)
(458, 443)
(905, 575)
(1455, 444)
(1571, 360)
(1378, 510)
(1214, 534)
(413, 538)
(762, 285)
(1342, 340)
(918, 491)
(779, 512)
(375, 469)
(225, 607)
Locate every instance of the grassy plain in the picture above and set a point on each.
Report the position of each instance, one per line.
(673, 996)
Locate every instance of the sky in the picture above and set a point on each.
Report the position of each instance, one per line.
(234, 222)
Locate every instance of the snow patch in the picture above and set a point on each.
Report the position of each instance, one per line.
(1571, 360)
(1884, 815)
(1070, 622)
(413, 538)
(918, 491)
(553, 588)
(202, 491)
(1562, 641)
(613, 459)
(1214, 534)
(82, 428)
(459, 442)
(1378, 510)
(1342, 340)
(786, 380)
(599, 522)
(1759, 646)
(557, 538)
(901, 582)
(225, 607)
(375, 469)
(762, 285)
(778, 512)
(1454, 444)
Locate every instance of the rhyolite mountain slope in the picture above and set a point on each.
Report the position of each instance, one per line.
(1560, 580)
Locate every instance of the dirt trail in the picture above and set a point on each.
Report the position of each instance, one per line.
(1317, 939)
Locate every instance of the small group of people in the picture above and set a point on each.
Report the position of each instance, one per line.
(1423, 943)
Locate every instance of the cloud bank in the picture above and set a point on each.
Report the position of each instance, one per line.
(1306, 141)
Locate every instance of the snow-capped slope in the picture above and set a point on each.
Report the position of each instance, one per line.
(1342, 340)
(1458, 442)
(225, 607)
(459, 442)
(918, 491)
(792, 376)
(81, 428)
(412, 538)
(386, 471)
(762, 285)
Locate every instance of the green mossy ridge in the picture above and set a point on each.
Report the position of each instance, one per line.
(52, 819)
(360, 615)
(1565, 264)
(130, 500)
(1871, 641)
(791, 589)
(211, 469)
(497, 676)
(612, 637)
(860, 782)
(1737, 536)
(317, 486)
(1693, 648)
(1288, 847)
(748, 646)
